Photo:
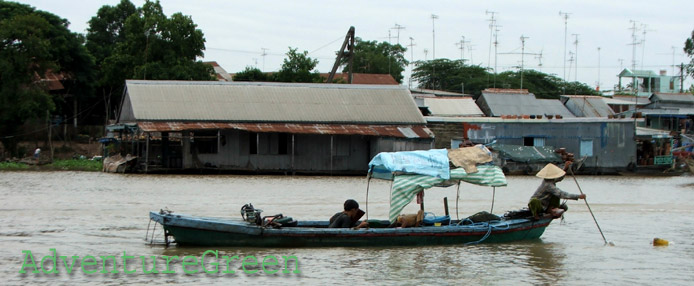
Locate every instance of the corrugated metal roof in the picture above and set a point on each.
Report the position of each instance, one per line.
(686, 98)
(413, 131)
(434, 92)
(626, 100)
(268, 102)
(587, 106)
(453, 107)
(543, 120)
(505, 91)
(637, 73)
(667, 111)
(655, 133)
(520, 104)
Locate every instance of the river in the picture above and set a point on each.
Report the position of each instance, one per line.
(99, 214)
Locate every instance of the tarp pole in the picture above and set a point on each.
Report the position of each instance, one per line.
(493, 197)
(368, 181)
(457, 198)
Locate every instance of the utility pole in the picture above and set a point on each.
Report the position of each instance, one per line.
(398, 28)
(469, 49)
(390, 53)
(263, 54)
(643, 42)
(673, 60)
(681, 77)
(426, 53)
(433, 54)
(522, 38)
(492, 23)
(539, 58)
(496, 46)
(576, 56)
(634, 42)
(411, 45)
(566, 25)
(598, 84)
(461, 47)
(522, 53)
(571, 61)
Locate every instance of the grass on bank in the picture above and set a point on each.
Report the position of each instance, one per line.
(13, 166)
(57, 165)
(75, 165)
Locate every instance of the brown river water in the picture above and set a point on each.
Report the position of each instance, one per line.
(98, 214)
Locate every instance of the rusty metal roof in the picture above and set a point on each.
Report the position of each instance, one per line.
(216, 101)
(401, 131)
(365, 78)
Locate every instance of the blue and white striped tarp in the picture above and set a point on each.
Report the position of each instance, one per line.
(406, 186)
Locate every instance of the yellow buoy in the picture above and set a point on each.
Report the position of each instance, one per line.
(660, 242)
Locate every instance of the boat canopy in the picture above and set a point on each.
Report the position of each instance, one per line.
(415, 171)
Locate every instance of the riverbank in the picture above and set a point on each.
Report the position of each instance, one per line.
(56, 165)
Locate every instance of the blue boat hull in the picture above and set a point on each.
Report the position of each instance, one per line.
(190, 230)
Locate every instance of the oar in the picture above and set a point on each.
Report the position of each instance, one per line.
(591, 211)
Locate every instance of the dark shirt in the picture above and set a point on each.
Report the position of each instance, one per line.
(547, 190)
(341, 220)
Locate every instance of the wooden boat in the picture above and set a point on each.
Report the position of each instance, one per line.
(411, 172)
(203, 231)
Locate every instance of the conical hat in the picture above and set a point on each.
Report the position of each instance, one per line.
(550, 171)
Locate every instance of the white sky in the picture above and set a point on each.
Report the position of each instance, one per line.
(237, 30)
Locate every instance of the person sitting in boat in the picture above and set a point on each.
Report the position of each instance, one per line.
(349, 217)
(546, 199)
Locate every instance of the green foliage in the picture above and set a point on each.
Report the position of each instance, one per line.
(143, 43)
(689, 50)
(378, 58)
(455, 75)
(106, 29)
(298, 67)
(450, 75)
(250, 74)
(31, 44)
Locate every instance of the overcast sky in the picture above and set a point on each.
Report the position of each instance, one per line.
(237, 31)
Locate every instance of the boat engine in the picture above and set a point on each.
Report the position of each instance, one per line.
(251, 214)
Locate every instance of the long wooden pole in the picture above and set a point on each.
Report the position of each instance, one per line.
(587, 205)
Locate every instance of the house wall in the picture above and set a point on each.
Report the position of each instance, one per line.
(310, 153)
(613, 144)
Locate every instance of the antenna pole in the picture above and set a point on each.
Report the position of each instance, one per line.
(566, 25)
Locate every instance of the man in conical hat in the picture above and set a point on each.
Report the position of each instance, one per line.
(546, 198)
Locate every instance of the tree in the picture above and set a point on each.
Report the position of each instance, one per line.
(378, 58)
(689, 50)
(251, 74)
(146, 44)
(33, 43)
(298, 67)
(450, 75)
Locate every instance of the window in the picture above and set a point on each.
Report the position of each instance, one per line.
(206, 142)
(268, 143)
(533, 141)
(586, 147)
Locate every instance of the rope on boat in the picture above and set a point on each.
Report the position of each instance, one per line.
(489, 229)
